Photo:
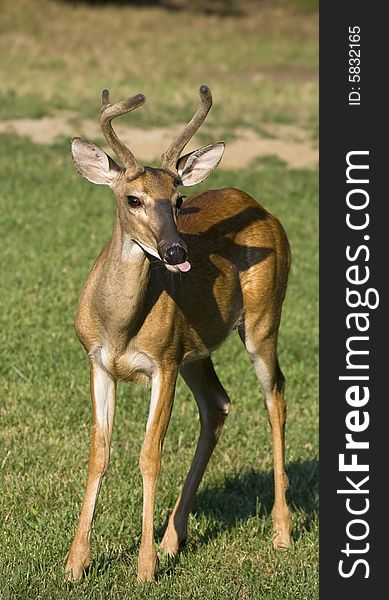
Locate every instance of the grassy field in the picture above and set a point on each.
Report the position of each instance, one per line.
(52, 226)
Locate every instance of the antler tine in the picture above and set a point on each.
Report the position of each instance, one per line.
(110, 111)
(172, 154)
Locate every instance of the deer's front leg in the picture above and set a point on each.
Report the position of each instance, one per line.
(162, 395)
(103, 389)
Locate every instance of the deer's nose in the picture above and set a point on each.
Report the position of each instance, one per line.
(175, 255)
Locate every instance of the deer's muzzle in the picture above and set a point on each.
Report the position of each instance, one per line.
(171, 248)
(175, 255)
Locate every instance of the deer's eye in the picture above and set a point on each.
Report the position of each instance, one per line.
(179, 202)
(133, 201)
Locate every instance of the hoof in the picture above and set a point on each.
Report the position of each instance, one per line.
(281, 538)
(172, 543)
(75, 573)
(282, 527)
(147, 567)
(76, 566)
(281, 543)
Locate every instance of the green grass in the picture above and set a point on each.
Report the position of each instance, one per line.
(53, 225)
(57, 56)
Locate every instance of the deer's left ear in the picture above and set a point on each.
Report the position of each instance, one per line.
(196, 166)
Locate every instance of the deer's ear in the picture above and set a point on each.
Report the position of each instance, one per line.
(196, 166)
(93, 163)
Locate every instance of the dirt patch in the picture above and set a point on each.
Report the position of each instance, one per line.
(288, 143)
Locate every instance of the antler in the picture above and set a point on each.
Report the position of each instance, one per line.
(172, 154)
(109, 112)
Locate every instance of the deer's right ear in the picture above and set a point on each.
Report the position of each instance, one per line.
(93, 163)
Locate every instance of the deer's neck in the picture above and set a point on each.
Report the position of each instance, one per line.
(125, 282)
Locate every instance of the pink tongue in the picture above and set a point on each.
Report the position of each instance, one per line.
(185, 266)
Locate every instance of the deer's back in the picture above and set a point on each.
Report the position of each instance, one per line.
(240, 258)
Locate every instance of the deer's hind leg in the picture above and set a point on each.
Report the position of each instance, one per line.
(213, 404)
(261, 345)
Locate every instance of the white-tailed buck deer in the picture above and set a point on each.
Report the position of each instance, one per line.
(175, 279)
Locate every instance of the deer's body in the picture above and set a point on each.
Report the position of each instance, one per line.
(120, 308)
(147, 313)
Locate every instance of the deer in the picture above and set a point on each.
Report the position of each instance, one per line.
(175, 279)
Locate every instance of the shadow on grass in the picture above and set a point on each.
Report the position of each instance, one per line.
(221, 8)
(251, 494)
(241, 497)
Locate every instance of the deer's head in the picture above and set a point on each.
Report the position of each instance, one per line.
(148, 199)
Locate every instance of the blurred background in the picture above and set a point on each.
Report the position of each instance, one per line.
(258, 56)
(260, 59)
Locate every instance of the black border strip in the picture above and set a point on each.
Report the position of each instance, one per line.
(345, 128)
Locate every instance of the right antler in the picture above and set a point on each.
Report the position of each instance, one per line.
(109, 112)
(172, 154)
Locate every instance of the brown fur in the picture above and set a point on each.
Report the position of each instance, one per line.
(232, 244)
(139, 320)
(240, 259)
